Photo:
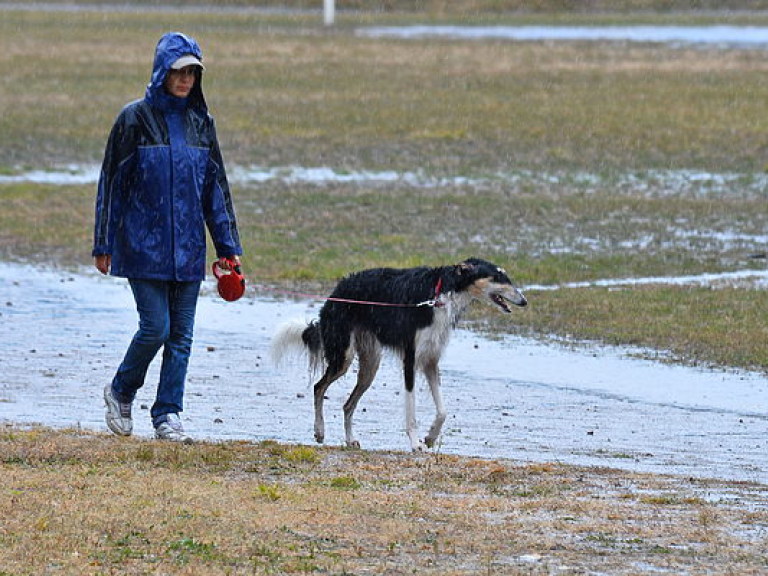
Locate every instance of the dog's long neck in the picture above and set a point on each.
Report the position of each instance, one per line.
(454, 304)
(449, 307)
(450, 293)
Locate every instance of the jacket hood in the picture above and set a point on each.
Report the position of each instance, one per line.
(170, 48)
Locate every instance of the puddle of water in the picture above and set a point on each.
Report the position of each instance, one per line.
(652, 182)
(63, 335)
(63, 176)
(743, 36)
(755, 278)
(318, 175)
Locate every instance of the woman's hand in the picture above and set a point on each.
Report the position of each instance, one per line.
(225, 263)
(103, 263)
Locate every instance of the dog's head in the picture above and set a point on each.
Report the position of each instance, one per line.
(489, 283)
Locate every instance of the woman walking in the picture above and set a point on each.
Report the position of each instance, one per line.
(162, 184)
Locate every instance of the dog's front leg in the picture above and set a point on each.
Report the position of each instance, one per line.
(411, 426)
(432, 374)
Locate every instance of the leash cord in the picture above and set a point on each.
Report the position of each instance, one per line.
(432, 303)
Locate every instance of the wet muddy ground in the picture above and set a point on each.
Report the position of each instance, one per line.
(64, 334)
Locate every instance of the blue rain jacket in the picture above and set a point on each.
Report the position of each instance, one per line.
(163, 182)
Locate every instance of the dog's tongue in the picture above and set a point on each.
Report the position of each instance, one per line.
(501, 303)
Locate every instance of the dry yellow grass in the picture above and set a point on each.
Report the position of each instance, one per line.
(77, 503)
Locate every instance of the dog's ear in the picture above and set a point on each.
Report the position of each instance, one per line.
(461, 276)
(464, 268)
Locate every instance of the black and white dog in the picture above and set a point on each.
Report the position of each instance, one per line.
(411, 311)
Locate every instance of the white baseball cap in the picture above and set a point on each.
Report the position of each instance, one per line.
(185, 61)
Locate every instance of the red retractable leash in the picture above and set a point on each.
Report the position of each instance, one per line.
(231, 283)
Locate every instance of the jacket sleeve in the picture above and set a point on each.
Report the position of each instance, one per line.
(218, 209)
(118, 150)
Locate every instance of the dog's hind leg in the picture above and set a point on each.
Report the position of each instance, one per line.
(335, 370)
(411, 426)
(339, 352)
(330, 376)
(369, 359)
(432, 373)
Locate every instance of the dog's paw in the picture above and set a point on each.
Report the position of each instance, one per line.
(319, 438)
(353, 444)
(419, 447)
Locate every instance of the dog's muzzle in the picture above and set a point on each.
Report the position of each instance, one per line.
(514, 297)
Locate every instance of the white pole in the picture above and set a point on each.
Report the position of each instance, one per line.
(329, 10)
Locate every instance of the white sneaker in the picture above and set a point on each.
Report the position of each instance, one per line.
(118, 414)
(172, 430)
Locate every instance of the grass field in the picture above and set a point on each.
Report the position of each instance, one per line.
(575, 157)
(596, 136)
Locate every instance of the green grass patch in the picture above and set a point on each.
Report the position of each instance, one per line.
(306, 237)
(722, 327)
(344, 483)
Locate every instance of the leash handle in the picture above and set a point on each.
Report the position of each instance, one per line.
(230, 282)
(216, 268)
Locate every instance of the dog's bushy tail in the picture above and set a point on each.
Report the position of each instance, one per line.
(297, 338)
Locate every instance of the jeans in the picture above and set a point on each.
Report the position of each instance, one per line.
(166, 320)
